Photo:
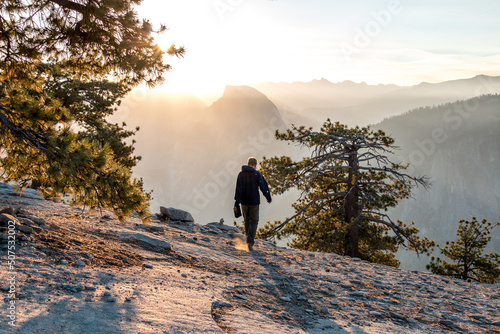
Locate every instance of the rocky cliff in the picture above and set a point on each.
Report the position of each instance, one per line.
(83, 272)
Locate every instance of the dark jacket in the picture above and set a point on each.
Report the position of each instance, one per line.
(247, 187)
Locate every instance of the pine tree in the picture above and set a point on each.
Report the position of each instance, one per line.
(64, 66)
(469, 262)
(347, 185)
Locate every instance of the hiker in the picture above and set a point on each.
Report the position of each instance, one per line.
(247, 194)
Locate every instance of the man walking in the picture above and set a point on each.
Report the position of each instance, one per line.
(247, 194)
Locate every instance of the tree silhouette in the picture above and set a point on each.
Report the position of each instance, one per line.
(64, 66)
(347, 185)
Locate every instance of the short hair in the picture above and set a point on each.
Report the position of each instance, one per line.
(252, 161)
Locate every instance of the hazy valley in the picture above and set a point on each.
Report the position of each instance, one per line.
(193, 152)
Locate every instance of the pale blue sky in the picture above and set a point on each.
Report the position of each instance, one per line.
(392, 41)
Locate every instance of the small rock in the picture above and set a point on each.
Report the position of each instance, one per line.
(324, 310)
(157, 229)
(309, 311)
(64, 262)
(359, 294)
(241, 297)
(397, 315)
(128, 299)
(217, 306)
(79, 263)
(106, 294)
(6, 218)
(225, 228)
(90, 288)
(302, 298)
(145, 240)
(447, 323)
(110, 300)
(148, 266)
(8, 210)
(286, 299)
(478, 317)
(74, 288)
(88, 299)
(36, 220)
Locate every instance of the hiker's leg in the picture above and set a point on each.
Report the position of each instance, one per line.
(253, 223)
(246, 217)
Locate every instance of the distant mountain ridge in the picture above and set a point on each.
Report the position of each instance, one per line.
(362, 104)
(320, 93)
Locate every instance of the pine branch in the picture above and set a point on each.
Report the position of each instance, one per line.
(33, 138)
(75, 6)
(304, 209)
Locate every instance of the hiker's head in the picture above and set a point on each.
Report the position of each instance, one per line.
(252, 162)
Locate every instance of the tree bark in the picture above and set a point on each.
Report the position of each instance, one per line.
(352, 205)
(72, 5)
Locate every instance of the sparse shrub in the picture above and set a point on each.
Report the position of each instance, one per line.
(469, 262)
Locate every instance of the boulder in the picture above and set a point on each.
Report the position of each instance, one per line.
(25, 229)
(25, 221)
(79, 263)
(146, 242)
(6, 218)
(175, 214)
(8, 210)
(37, 220)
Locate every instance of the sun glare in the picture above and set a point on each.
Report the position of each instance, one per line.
(180, 82)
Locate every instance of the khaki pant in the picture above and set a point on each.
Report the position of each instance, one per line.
(251, 216)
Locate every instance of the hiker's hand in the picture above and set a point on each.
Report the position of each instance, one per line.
(235, 209)
(269, 201)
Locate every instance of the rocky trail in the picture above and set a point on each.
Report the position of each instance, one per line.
(84, 272)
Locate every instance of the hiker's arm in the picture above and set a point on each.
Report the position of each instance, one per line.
(237, 193)
(265, 189)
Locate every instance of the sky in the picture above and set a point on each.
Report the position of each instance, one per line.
(404, 42)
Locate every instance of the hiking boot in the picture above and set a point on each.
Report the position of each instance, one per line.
(250, 247)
